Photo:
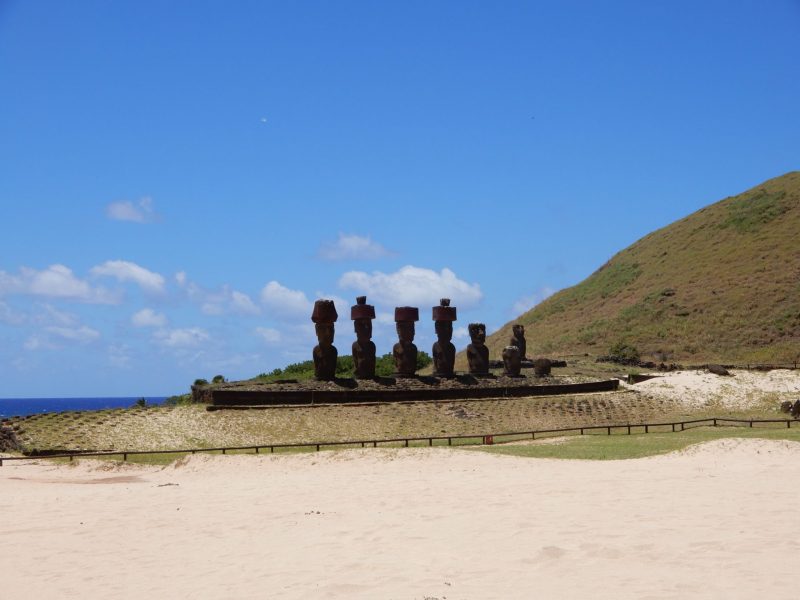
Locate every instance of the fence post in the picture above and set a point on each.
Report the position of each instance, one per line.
(751, 423)
(223, 450)
(406, 443)
(430, 441)
(629, 429)
(256, 449)
(647, 428)
(317, 447)
(581, 430)
(715, 422)
(124, 456)
(609, 431)
(788, 426)
(673, 428)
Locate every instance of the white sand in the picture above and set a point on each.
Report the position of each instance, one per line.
(742, 390)
(713, 522)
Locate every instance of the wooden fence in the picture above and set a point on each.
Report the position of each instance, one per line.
(469, 439)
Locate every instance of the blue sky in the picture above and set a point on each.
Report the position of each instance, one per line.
(179, 181)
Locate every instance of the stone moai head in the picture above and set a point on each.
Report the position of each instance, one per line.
(443, 317)
(362, 315)
(512, 362)
(324, 317)
(405, 317)
(518, 330)
(477, 333)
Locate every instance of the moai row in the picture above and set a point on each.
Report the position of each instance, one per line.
(404, 351)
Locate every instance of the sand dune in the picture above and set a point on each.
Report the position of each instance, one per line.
(742, 390)
(714, 521)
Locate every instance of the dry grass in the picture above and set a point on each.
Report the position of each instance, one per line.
(194, 427)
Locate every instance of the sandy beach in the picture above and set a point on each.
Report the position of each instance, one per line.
(713, 521)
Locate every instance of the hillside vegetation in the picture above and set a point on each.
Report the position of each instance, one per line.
(722, 284)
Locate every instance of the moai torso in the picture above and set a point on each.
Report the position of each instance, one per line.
(477, 352)
(444, 358)
(405, 358)
(364, 359)
(512, 362)
(325, 362)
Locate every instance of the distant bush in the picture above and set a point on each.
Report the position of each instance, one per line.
(200, 382)
(623, 353)
(218, 379)
(140, 403)
(180, 400)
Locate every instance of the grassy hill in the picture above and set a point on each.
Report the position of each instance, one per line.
(722, 284)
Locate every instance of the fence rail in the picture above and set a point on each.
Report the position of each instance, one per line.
(484, 438)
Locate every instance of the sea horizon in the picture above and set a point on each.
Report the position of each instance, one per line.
(21, 407)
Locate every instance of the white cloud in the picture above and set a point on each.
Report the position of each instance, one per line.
(124, 270)
(51, 315)
(460, 333)
(271, 336)
(82, 334)
(284, 302)
(118, 356)
(56, 281)
(125, 210)
(147, 317)
(217, 302)
(526, 303)
(9, 316)
(48, 338)
(413, 286)
(190, 337)
(37, 342)
(242, 304)
(352, 247)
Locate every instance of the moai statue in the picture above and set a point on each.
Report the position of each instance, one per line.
(444, 353)
(404, 351)
(518, 340)
(512, 361)
(363, 348)
(325, 354)
(477, 352)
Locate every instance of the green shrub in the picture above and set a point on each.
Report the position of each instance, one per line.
(622, 352)
(201, 382)
(180, 400)
(218, 379)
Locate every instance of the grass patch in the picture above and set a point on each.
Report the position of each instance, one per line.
(754, 210)
(619, 446)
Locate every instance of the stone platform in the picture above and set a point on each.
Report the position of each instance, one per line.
(390, 389)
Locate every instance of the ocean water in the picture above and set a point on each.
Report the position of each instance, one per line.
(21, 407)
